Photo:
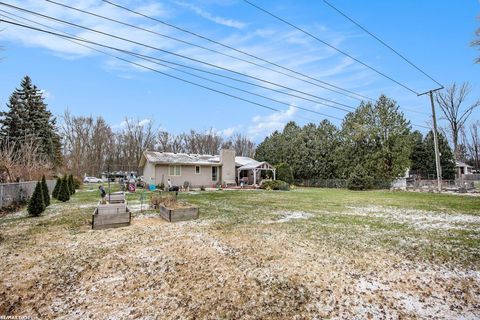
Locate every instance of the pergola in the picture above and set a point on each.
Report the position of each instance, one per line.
(256, 167)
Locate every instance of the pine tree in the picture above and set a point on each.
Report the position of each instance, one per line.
(71, 184)
(359, 179)
(447, 159)
(284, 173)
(27, 117)
(36, 204)
(46, 193)
(57, 187)
(64, 192)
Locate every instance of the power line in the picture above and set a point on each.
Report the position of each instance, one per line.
(233, 48)
(382, 42)
(175, 54)
(348, 94)
(156, 70)
(240, 51)
(331, 46)
(75, 40)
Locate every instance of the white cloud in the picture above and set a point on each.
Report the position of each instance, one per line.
(46, 94)
(123, 124)
(217, 19)
(264, 125)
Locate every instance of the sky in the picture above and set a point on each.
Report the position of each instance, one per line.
(435, 35)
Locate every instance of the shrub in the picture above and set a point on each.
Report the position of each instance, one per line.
(77, 182)
(284, 173)
(46, 193)
(71, 184)
(275, 185)
(36, 205)
(202, 188)
(359, 179)
(56, 189)
(64, 192)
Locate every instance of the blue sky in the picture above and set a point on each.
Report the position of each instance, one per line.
(433, 34)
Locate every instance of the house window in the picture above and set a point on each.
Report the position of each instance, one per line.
(214, 173)
(175, 170)
(197, 169)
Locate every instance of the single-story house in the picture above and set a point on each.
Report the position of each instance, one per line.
(202, 170)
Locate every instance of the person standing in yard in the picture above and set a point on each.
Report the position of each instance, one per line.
(102, 192)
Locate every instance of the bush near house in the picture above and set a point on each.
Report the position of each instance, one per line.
(46, 193)
(56, 189)
(275, 185)
(36, 205)
(359, 179)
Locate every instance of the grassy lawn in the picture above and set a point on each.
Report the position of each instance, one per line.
(252, 254)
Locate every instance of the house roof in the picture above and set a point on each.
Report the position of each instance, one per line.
(462, 164)
(255, 165)
(177, 158)
(190, 159)
(242, 161)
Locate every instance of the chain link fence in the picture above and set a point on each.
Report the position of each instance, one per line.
(337, 183)
(19, 192)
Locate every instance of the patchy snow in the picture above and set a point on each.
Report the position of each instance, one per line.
(291, 215)
(418, 219)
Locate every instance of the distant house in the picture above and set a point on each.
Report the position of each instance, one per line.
(202, 170)
(463, 168)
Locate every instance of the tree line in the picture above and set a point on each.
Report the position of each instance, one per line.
(32, 143)
(375, 140)
(91, 145)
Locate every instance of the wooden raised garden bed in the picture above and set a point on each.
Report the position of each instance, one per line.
(116, 197)
(111, 215)
(178, 213)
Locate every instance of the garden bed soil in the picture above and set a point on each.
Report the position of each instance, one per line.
(178, 212)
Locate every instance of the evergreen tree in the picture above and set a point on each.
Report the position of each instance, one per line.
(57, 187)
(447, 159)
(284, 173)
(71, 184)
(64, 192)
(378, 138)
(36, 204)
(359, 179)
(27, 117)
(46, 193)
(418, 157)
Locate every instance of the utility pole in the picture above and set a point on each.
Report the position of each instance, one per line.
(435, 139)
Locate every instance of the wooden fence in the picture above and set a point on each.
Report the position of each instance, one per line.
(18, 192)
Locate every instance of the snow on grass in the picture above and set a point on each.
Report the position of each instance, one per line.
(419, 219)
(291, 215)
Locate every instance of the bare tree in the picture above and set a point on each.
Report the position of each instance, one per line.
(243, 146)
(33, 162)
(475, 143)
(476, 42)
(451, 103)
(87, 143)
(136, 137)
(9, 160)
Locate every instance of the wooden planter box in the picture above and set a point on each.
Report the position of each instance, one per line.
(112, 215)
(179, 214)
(116, 197)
